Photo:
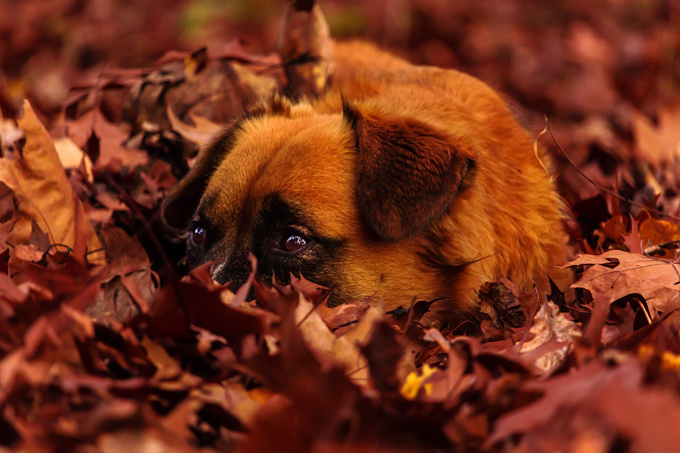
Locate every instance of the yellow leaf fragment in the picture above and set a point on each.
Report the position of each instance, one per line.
(415, 382)
(669, 361)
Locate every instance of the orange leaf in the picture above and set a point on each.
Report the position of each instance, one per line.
(659, 231)
(42, 191)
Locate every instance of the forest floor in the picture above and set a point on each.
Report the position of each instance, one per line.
(108, 343)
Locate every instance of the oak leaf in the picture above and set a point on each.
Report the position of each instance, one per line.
(617, 274)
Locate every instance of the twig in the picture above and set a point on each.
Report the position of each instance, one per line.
(409, 318)
(396, 311)
(659, 248)
(356, 370)
(314, 307)
(602, 189)
(536, 150)
(644, 310)
(147, 226)
(98, 94)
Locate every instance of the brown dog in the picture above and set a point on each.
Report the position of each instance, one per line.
(402, 182)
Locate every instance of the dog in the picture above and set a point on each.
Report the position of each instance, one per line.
(401, 183)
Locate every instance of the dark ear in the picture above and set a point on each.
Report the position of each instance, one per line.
(181, 202)
(408, 173)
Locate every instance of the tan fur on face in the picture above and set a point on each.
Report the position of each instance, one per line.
(309, 161)
(504, 218)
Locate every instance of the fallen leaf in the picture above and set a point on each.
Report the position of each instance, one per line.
(550, 325)
(321, 339)
(658, 145)
(72, 157)
(306, 50)
(656, 232)
(617, 274)
(41, 189)
(499, 301)
(416, 381)
(632, 240)
(111, 139)
(201, 134)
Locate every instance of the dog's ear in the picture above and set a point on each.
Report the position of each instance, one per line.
(408, 173)
(181, 202)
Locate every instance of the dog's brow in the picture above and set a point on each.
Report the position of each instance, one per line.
(207, 203)
(203, 216)
(276, 211)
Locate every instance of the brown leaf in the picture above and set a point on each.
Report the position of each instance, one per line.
(129, 286)
(592, 336)
(550, 327)
(344, 350)
(632, 240)
(499, 301)
(383, 353)
(609, 400)
(180, 304)
(658, 145)
(341, 317)
(41, 189)
(111, 139)
(617, 274)
(203, 131)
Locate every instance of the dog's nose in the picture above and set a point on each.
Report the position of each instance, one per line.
(233, 268)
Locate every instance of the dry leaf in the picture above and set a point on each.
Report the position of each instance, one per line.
(72, 157)
(42, 190)
(617, 274)
(201, 134)
(658, 145)
(655, 232)
(551, 325)
(111, 139)
(343, 349)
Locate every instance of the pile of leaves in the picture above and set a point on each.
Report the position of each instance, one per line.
(109, 343)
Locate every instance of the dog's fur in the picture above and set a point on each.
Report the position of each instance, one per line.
(407, 183)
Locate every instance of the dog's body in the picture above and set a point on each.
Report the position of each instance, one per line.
(403, 182)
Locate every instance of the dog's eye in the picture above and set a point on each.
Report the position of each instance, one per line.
(198, 235)
(293, 243)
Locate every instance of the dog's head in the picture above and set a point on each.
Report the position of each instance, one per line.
(340, 198)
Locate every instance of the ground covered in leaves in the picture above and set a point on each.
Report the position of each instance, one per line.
(109, 344)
